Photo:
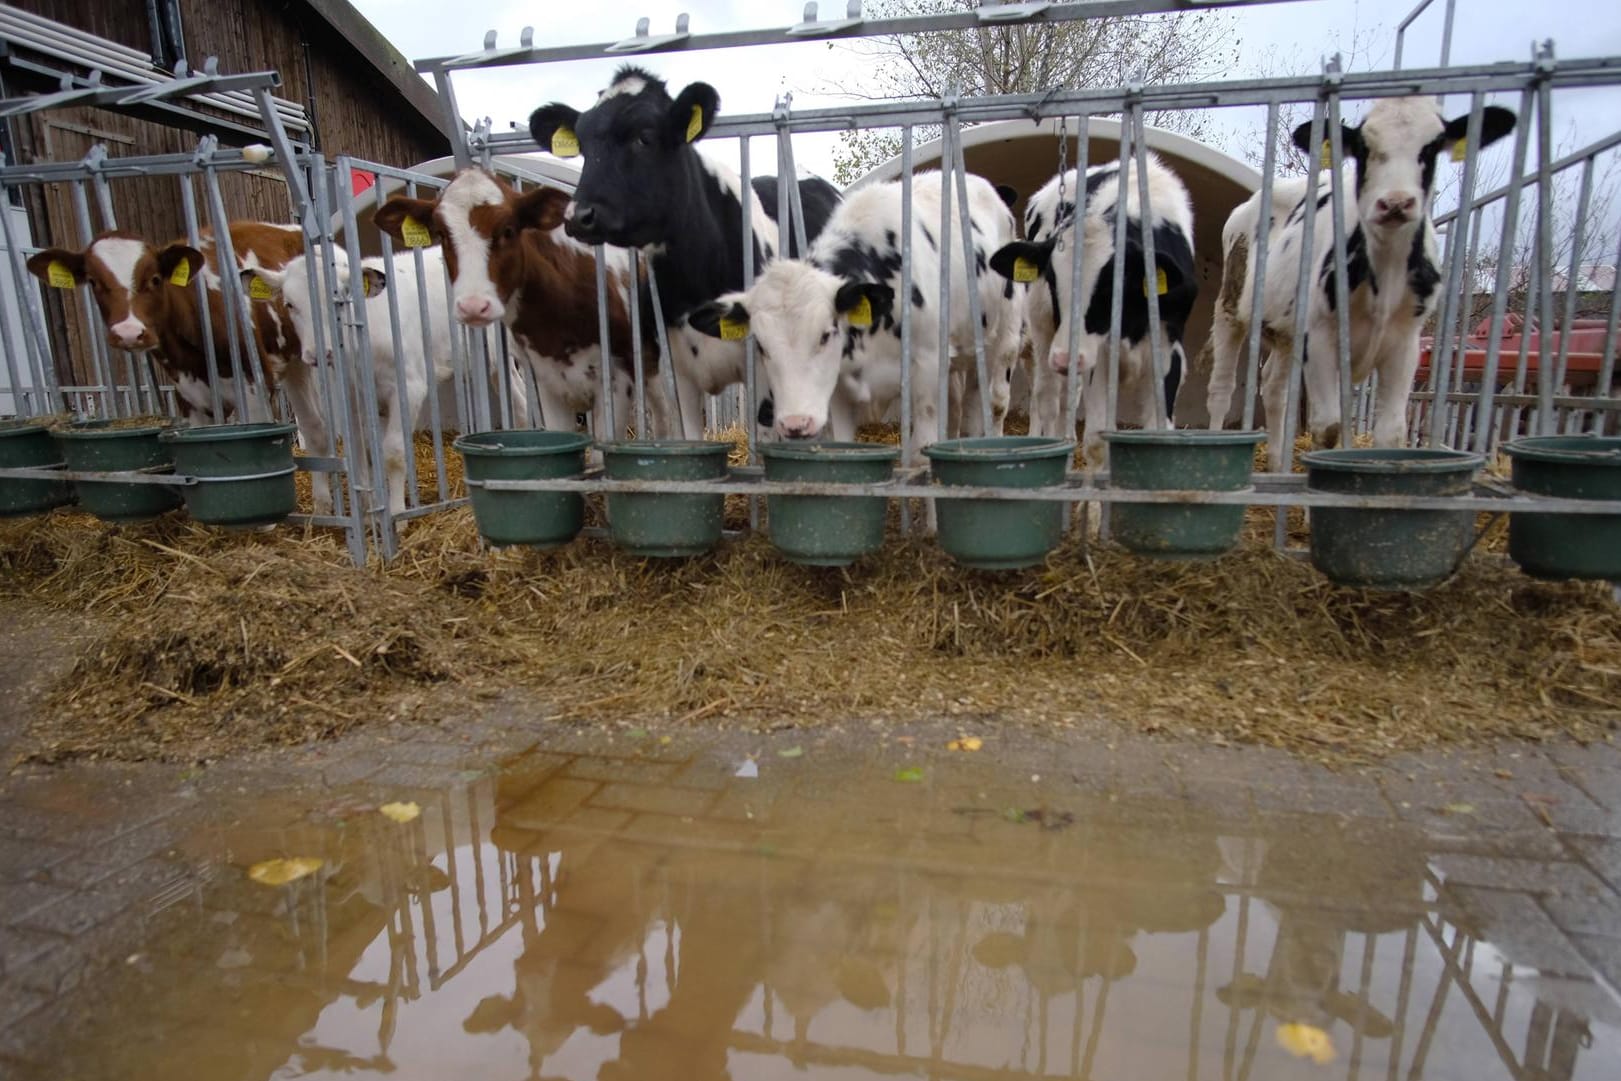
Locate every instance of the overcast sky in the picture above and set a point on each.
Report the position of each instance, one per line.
(749, 80)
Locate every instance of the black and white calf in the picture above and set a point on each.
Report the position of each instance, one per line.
(828, 327)
(643, 184)
(1392, 273)
(1046, 257)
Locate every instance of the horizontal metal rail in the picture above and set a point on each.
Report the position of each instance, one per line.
(813, 29)
(1271, 489)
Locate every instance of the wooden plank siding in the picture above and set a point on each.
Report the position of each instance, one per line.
(354, 109)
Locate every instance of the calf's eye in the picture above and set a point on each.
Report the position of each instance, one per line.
(826, 334)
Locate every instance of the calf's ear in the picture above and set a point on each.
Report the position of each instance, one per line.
(176, 256)
(540, 208)
(260, 283)
(864, 303)
(1008, 195)
(693, 113)
(49, 266)
(725, 319)
(1495, 122)
(547, 121)
(1022, 260)
(392, 216)
(1350, 141)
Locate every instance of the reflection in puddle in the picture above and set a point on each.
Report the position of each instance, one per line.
(548, 924)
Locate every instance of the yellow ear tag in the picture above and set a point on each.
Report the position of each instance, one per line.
(1460, 149)
(695, 126)
(58, 275)
(1162, 285)
(1326, 159)
(415, 234)
(259, 289)
(565, 144)
(181, 274)
(1024, 270)
(733, 330)
(861, 314)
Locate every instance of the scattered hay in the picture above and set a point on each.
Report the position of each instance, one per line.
(219, 641)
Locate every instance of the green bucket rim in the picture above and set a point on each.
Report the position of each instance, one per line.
(97, 429)
(10, 427)
(471, 445)
(1588, 450)
(667, 448)
(1000, 448)
(219, 433)
(1186, 437)
(1388, 461)
(831, 452)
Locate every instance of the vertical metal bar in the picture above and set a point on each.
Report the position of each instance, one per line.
(1077, 244)
(789, 181)
(1446, 34)
(1258, 261)
(1521, 362)
(286, 155)
(1342, 286)
(635, 306)
(237, 312)
(969, 262)
(363, 367)
(1457, 419)
(460, 368)
(1544, 258)
(45, 392)
(452, 119)
(430, 371)
(403, 417)
(605, 368)
(750, 406)
(99, 358)
(1457, 246)
(188, 206)
(943, 390)
(1573, 278)
(15, 385)
(1606, 375)
(907, 225)
(1145, 213)
(667, 360)
(1297, 350)
(1117, 301)
(1483, 422)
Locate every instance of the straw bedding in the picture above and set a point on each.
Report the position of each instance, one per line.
(214, 642)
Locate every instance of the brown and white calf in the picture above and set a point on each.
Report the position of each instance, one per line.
(510, 262)
(150, 305)
(1391, 282)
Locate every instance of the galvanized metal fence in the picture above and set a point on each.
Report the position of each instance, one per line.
(1555, 386)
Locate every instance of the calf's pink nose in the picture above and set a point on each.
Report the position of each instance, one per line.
(1400, 203)
(474, 307)
(797, 426)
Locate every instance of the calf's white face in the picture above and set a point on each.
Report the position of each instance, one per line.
(1396, 149)
(291, 287)
(806, 323)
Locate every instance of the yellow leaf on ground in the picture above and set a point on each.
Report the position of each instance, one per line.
(1306, 1041)
(400, 812)
(966, 743)
(281, 872)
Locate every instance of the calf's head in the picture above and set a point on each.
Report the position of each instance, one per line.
(290, 288)
(1396, 148)
(479, 220)
(805, 322)
(133, 285)
(638, 161)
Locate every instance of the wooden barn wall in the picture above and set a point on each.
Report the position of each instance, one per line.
(355, 110)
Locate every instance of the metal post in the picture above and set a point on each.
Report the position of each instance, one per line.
(1606, 375)
(1145, 211)
(100, 361)
(1077, 244)
(667, 361)
(751, 372)
(1457, 246)
(1573, 278)
(1297, 351)
(635, 305)
(1112, 358)
(360, 364)
(403, 417)
(1258, 261)
(907, 225)
(943, 391)
(1483, 421)
(435, 421)
(236, 305)
(1544, 258)
(1342, 286)
(46, 393)
(605, 368)
(975, 307)
(188, 206)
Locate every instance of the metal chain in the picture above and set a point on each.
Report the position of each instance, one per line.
(1063, 170)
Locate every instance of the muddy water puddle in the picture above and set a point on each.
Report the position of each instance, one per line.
(623, 919)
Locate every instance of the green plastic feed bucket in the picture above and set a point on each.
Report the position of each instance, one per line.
(665, 525)
(244, 472)
(97, 447)
(538, 519)
(25, 445)
(1567, 545)
(1389, 549)
(1179, 460)
(828, 531)
(1000, 534)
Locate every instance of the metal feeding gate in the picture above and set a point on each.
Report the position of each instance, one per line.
(1521, 342)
